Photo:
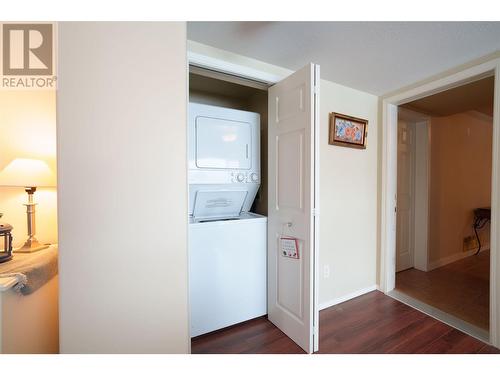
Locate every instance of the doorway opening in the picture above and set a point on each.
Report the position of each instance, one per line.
(252, 223)
(444, 175)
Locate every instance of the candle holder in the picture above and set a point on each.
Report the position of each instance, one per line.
(5, 242)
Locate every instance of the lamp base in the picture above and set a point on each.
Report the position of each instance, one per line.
(30, 246)
(5, 257)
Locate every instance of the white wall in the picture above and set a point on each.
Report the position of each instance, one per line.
(122, 187)
(28, 130)
(348, 199)
(349, 190)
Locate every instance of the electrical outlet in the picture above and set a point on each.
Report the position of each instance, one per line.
(470, 243)
(326, 271)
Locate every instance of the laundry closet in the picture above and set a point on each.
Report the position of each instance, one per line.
(253, 198)
(227, 178)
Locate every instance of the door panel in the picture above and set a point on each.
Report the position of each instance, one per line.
(293, 106)
(404, 219)
(290, 184)
(290, 286)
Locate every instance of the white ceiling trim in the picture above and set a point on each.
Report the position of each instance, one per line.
(226, 67)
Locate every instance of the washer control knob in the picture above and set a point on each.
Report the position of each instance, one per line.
(240, 177)
(254, 177)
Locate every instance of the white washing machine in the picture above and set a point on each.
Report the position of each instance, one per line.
(227, 243)
(228, 272)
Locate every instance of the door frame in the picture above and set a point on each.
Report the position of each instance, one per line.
(489, 66)
(248, 73)
(223, 66)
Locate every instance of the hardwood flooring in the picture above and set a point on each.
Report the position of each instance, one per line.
(461, 288)
(257, 336)
(372, 323)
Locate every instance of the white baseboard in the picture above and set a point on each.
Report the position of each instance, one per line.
(454, 257)
(347, 297)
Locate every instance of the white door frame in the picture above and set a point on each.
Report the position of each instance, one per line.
(223, 66)
(389, 177)
(243, 71)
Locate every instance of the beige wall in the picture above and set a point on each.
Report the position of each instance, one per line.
(202, 97)
(30, 324)
(28, 130)
(348, 199)
(461, 157)
(258, 103)
(123, 187)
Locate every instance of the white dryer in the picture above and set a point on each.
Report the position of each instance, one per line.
(223, 161)
(227, 243)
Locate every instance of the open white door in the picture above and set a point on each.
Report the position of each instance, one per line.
(293, 198)
(405, 186)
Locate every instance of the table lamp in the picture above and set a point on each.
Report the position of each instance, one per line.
(30, 174)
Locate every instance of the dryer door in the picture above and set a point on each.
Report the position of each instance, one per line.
(223, 144)
(212, 204)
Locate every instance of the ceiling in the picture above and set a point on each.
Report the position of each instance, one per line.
(475, 96)
(375, 57)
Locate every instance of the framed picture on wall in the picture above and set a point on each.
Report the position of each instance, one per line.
(347, 131)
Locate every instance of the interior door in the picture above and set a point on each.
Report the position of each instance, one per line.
(293, 124)
(404, 217)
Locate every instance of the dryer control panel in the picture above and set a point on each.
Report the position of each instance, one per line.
(245, 177)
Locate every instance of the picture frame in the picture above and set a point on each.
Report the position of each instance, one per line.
(347, 131)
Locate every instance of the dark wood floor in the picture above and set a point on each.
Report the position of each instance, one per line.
(372, 323)
(461, 288)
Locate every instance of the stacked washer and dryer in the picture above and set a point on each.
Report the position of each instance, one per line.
(227, 242)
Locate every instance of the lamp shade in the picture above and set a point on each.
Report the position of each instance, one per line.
(27, 173)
